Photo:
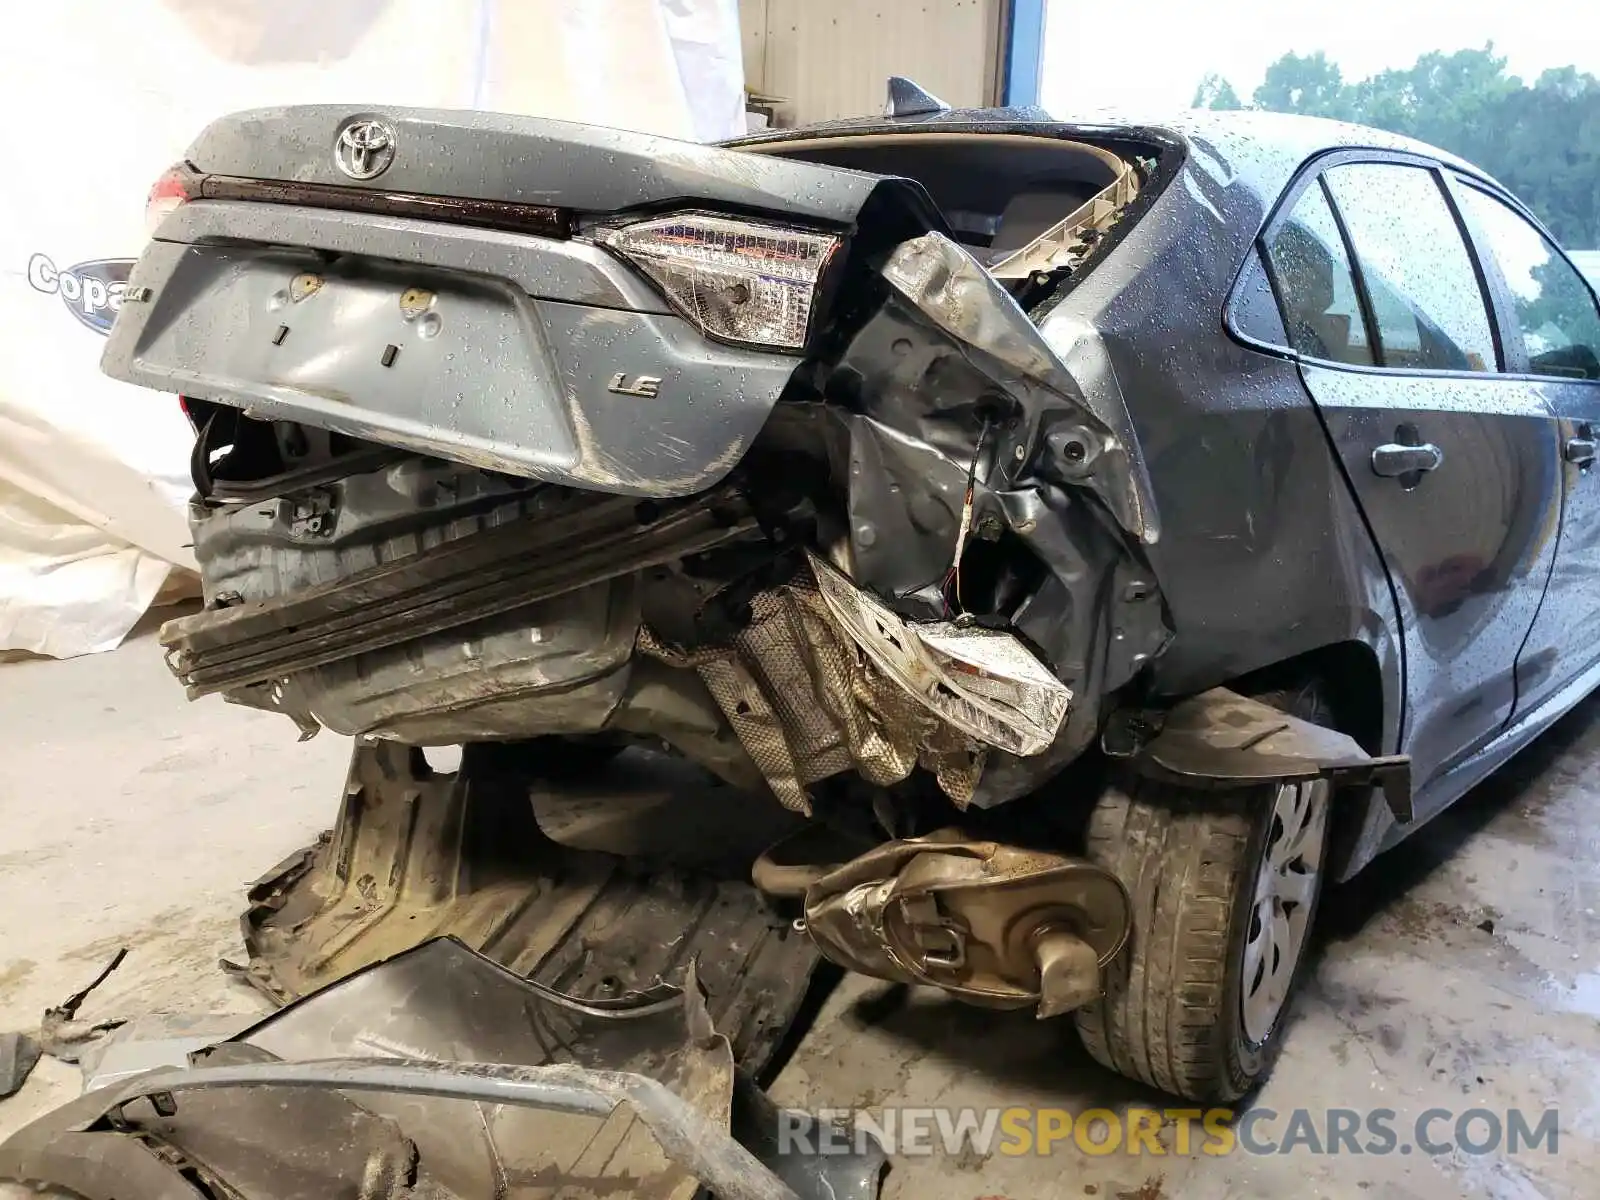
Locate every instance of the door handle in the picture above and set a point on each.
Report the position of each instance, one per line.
(1393, 459)
(1579, 450)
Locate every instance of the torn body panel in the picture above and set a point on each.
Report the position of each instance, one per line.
(984, 482)
(1047, 413)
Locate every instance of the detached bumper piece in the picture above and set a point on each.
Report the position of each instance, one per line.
(438, 1074)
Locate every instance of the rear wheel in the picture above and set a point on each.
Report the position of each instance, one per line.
(1225, 888)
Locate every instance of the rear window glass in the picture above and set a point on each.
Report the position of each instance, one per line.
(1554, 309)
(1426, 300)
(1315, 286)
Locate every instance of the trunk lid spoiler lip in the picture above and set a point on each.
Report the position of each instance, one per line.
(518, 160)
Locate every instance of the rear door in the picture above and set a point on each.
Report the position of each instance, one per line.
(1456, 467)
(1552, 338)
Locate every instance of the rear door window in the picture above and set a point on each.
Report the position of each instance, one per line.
(1554, 310)
(1427, 302)
(1316, 287)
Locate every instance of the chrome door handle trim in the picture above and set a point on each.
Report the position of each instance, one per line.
(1392, 459)
(1580, 450)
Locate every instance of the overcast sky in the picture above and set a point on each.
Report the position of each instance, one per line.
(1149, 54)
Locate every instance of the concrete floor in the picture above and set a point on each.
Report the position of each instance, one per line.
(1461, 974)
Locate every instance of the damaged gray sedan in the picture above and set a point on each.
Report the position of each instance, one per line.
(1104, 534)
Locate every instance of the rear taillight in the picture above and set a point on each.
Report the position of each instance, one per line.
(739, 280)
(176, 187)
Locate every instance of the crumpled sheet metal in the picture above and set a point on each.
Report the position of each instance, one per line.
(806, 705)
(958, 294)
(823, 678)
(416, 854)
(982, 681)
(953, 290)
(983, 920)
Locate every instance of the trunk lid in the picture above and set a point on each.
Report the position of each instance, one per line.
(426, 279)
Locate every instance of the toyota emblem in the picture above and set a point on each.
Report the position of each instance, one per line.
(364, 149)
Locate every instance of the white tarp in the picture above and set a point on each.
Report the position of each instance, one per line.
(101, 96)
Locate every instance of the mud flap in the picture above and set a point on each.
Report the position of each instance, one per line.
(1221, 739)
(418, 854)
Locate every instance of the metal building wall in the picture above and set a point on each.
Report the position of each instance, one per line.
(831, 58)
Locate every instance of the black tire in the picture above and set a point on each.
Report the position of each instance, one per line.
(1172, 1013)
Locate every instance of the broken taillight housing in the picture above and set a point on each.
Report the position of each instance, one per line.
(175, 188)
(739, 281)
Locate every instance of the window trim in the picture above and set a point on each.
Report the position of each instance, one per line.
(1514, 357)
(1506, 314)
(1310, 174)
(1358, 278)
(1262, 248)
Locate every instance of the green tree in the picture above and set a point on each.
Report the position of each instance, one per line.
(1307, 84)
(1542, 141)
(1215, 92)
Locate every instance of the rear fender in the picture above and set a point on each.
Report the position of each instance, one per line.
(1054, 426)
(963, 427)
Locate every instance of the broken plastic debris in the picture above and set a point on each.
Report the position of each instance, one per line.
(63, 1037)
(19, 1054)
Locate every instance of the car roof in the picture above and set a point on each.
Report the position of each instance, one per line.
(1264, 149)
(1293, 138)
